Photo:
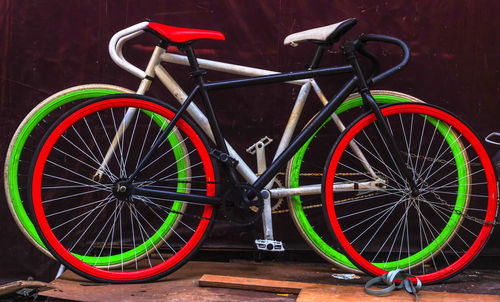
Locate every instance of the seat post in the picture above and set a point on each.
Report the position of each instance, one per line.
(317, 57)
(195, 68)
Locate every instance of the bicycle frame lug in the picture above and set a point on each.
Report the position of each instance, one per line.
(98, 175)
(197, 73)
(348, 49)
(379, 183)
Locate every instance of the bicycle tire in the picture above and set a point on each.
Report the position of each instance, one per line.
(294, 177)
(28, 133)
(48, 166)
(459, 228)
(27, 130)
(312, 232)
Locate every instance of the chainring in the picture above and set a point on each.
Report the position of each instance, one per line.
(239, 212)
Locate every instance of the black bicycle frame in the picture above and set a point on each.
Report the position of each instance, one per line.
(202, 88)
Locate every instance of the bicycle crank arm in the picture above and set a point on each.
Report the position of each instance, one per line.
(338, 187)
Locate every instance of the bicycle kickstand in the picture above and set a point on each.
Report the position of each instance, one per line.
(268, 243)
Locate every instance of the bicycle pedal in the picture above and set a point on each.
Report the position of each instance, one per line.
(269, 245)
(263, 141)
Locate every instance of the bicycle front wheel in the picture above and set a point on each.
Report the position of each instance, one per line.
(433, 233)
(306, 168)
(86, 223)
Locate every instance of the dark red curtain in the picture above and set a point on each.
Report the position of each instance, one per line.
(47, 46)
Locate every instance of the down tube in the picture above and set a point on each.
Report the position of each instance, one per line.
(303, 136)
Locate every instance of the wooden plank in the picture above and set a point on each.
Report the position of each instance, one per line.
(356, 293)
(282, 287)
(312, 292)
(12, 287)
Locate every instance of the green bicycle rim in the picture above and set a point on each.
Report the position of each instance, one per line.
(18, 204)
(416, 258)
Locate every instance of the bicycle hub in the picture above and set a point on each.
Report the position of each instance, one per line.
(122, 190)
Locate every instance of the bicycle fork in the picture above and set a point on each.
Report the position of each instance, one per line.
(386, 136)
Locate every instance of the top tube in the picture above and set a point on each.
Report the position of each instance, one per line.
(276, 78)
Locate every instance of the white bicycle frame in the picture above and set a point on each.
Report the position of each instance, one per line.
(155, 69)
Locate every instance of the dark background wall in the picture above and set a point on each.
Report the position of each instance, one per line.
(46, 46)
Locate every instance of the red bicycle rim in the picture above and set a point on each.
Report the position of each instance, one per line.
(54, 242)
(489, 172)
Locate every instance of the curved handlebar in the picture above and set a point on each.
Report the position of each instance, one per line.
(386, 39)
(490, 138)
(116, 43)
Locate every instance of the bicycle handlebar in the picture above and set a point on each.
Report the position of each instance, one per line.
(116, 44)
(491, 136)
(387, 39)
(118, 39)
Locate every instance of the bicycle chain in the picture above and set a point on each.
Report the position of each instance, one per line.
(276, 211)
(432, 159)
(340, 174)
(319, 205)
(442, 161)
(475, 219)
(458, 212)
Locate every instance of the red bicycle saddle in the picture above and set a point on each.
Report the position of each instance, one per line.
(180, 35)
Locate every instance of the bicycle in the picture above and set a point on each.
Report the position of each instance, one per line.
(406, 177)
(38, 120)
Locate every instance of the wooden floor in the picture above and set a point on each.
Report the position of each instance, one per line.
(183, 285)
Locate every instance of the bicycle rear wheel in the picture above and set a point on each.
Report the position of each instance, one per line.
(86, 225)
(23, 144)
(433, 234)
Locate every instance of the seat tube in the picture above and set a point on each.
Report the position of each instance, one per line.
(197, 74)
